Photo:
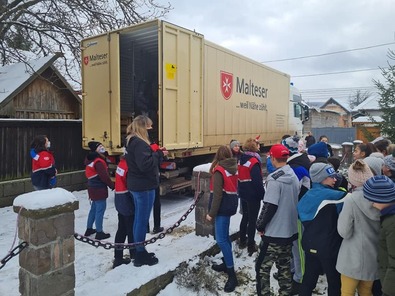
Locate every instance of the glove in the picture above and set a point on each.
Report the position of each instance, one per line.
(52, 182)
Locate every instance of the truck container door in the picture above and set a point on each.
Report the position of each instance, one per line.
(181, 93)
(100, 90)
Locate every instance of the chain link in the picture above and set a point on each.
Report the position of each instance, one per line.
(108, 245)
(15, 251)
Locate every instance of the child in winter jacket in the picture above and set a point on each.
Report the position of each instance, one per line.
(318, 213)
(98, 181)
(358, 225)
(125, 207)
(381, 191)
(223, 204)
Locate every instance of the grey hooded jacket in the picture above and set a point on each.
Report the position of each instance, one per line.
(359, 225)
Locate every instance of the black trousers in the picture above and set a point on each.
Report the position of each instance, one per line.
(125, 230)
(316, 265)
(248, 221)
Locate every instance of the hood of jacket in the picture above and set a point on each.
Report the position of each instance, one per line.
(365, 205)
(229, 164)
(299, 159)
(284, 174)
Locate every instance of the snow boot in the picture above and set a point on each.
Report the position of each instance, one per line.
(157, 230)
(144, 258)
(219, 267)
(120, 261)
(102, 235)
(90, 231)
(232, 282)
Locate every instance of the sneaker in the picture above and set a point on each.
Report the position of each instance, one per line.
(144, 258)
(120, 261)
(157, 230)
(101, 235)
(90, 231)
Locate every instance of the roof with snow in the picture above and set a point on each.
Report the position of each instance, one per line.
(371, 103)
(14, 78)
(365, 119)
(333, 101)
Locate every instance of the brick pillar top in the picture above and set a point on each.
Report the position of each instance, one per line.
(45, 203)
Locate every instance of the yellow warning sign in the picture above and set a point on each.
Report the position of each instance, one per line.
(171, 70)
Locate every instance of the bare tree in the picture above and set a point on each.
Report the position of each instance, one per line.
(36, 28)
(358, 97)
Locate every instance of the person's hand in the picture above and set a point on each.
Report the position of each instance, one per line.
(261, 233)
(209, 218)
(164, 151)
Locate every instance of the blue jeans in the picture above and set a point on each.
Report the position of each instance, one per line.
(143, 202)
(223, 239)
(96, 214)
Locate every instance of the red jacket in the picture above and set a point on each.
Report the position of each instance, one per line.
(98, 179)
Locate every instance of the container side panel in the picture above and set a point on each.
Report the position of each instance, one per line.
(242, 99)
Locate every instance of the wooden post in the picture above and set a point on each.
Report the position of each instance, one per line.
(46, 223)
(201, 182)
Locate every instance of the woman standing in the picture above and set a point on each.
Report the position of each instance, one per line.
(223, 205)
(43, 164)
(359, 225)
(142, 180)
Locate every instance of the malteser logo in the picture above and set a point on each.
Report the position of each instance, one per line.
(226, 84)
(86, 61)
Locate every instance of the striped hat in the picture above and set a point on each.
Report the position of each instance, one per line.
(379, 189)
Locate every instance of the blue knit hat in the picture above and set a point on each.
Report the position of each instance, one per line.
(319, 149)
(379, 189)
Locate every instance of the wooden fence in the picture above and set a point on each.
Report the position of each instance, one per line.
(16, 136)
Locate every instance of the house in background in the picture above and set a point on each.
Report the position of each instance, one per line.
(366, 119)
(328, 114)
(37, 91)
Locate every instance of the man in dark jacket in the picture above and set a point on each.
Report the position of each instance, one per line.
(310, 140)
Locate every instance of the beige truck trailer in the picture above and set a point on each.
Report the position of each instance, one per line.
(198, 94)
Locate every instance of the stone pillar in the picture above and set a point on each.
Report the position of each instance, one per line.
(201, 182)
(347, 154)
(46, 223)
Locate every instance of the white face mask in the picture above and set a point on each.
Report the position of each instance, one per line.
(102, 150)
(48, 144)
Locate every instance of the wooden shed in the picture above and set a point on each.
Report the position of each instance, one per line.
(36, 90)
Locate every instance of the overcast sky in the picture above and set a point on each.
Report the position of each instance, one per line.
(267, 30)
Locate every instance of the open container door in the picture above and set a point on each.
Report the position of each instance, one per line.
(100, 90)
(181, 95)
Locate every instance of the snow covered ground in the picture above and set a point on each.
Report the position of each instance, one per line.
(93, 266)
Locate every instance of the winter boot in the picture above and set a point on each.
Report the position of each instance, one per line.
(220, 267)
(242, 244)
(144, 258)
(157, 230)
(251, 249)
(90, 231)
(232, 282)
(120, 261)
(101, 235)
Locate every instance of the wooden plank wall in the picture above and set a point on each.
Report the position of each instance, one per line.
(16, 136)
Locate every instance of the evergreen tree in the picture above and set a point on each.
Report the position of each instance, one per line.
(386, 91)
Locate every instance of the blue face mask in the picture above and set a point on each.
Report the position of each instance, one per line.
(102, 150)
(48, 144)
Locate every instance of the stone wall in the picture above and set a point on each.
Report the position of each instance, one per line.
(72, 181)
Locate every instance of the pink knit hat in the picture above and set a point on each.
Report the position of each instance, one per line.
(358, 173)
